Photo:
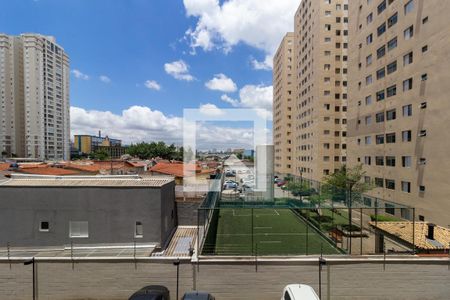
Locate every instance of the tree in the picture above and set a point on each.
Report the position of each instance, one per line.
(349, 181)
(4, 153)
(299, 189)
(100, 154)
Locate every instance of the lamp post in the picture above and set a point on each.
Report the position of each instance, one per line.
(350, 184)
(177, 264)
(32, 262)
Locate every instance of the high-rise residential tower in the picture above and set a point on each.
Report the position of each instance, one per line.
(34, 85)
(399, 84)
(283, 101)
(321, 56)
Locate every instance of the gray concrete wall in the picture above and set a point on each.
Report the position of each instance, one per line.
(118, 280)
(111, 213)
(168, 211)
(187, 212)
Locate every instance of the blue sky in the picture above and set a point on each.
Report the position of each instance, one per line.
(131, 42)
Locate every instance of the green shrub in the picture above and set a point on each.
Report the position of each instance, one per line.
(383, 218)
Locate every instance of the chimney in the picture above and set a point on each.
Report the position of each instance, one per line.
(430, 234)
(99, 133)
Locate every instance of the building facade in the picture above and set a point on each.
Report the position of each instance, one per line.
(55, 211)
(88, 144)
(283, 95)
(35, 106)
(321, 56)
(398, 116)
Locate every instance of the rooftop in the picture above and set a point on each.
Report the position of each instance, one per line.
(404, 231)
(86, 181)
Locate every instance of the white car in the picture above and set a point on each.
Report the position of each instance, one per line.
(299, 292)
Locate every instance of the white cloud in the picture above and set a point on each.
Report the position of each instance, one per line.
(266, 64)
(179, 70)
(140, 123)
(210, 110)
(153, 85)
(105, 79)
(222, 26)
(222, 83)
(233, 102)
(253, 96)
(80, 75)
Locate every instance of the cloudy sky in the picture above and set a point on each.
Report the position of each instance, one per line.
(136, 64)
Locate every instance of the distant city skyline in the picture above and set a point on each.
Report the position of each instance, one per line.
(125, 70)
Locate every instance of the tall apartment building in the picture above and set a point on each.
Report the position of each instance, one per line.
(283, 101)
(321, 56)
(399, 82)
(34, 85)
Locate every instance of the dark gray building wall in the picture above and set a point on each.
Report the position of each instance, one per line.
(111, 214)
(168, 211)
(187, 212)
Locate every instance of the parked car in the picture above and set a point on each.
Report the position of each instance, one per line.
(280, 183)
(198, 296)
(151, 292)
(299, 292)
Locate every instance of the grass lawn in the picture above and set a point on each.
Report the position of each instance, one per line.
(275, 232)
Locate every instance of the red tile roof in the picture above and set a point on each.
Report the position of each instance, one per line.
(49, 171)
(175, 169)
(4, 166)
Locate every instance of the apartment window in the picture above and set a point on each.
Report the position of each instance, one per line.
(379, 139)
(368, 140)
(390, 138)
(406, 161)
(381, 29)
(368, 120)
(368, 79)
(369, 60)
(390, 161)
(381, 7)
(369, 39)
(390, 184)
(406, 186)
(392, 44)
(369, 18)
(392, 90)
(409, 32)
(409, 6)
(390, 115)
(389, 208)
(338, 7)
(327, 40)
(327, 67)
(138, 230)
(406, 136)
(44, 226)
(379, 117)
(422, 188)
(392, 67)
(379, 160)
(407, 84)
(381, 73)
(407, 110)
(369, 100)
(379, 182)
(380, 95)
(408, 59)
(381, 52)
(78, 229)
(392, 20)
(328, 27)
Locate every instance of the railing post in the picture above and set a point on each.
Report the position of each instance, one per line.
(9, 255)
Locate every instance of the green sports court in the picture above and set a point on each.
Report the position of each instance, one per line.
(264, 231)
